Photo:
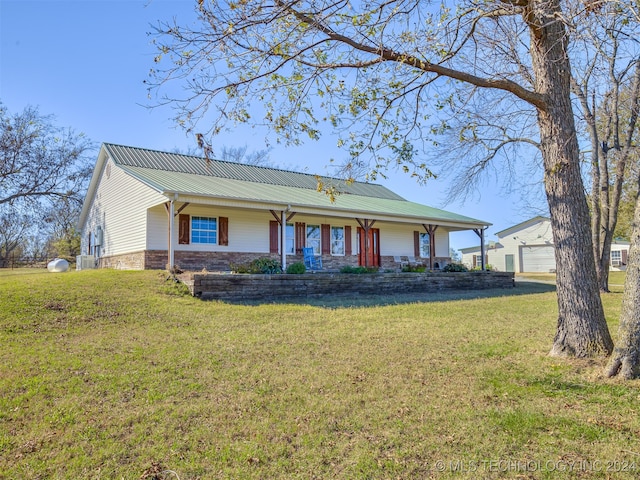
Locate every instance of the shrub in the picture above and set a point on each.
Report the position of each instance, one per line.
(259, 265)
(455, 267)
(487, 267)
(296, 268)
(414, 268)
(239, 268)
(350, 269)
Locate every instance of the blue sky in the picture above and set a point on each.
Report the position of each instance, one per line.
(85, 62)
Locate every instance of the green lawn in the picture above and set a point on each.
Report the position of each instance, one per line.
(111, 375)
(616, 279)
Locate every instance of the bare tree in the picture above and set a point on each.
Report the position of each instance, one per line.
(13, 227)
(242, 155)
(606, 81)
(378, 73)
(231, 153)
(60, 224)
(39, 163)
(39, 159)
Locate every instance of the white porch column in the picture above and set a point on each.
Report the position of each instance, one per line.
(283, 244)
(171, 232)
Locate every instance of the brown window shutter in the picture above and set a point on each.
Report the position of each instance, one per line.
(301, 236)
(347, 240)
(273, 236)
(624, 256)
(416, 244)
(183, 229)
(325, 239)
(223, 231)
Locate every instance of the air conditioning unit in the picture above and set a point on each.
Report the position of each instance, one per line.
(616, 263)
(85, 262)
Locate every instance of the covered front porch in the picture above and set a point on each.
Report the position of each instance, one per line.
(337, 237)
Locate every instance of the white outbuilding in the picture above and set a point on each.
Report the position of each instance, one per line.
(528, 247)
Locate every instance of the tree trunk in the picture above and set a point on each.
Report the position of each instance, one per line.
(625, 360)
(581, 330)
(602, 260)
(609, 212)
(596, 215)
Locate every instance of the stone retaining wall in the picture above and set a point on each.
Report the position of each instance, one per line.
(271, 287)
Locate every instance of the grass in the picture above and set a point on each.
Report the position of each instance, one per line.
(616, 279)
(108, 374)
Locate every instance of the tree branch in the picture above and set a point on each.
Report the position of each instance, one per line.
(388, 54)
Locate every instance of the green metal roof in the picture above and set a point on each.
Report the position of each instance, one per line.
(521, 225)
(175, 162)
(171, 173)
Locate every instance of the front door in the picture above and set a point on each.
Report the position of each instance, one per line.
(508, 263)
(369, 247)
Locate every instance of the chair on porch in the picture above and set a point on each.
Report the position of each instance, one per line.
(398, 260)
(415, 263)
(311, 261)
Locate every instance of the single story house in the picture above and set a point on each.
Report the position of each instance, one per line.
(147, 209)
(528, 247)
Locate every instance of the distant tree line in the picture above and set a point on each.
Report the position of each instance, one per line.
(44, 170)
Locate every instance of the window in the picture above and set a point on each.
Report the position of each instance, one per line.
(204, 230)
(425, 245)
(337, 240)
(290, 232)
(313, 238)
(477, 260)
(616, 258)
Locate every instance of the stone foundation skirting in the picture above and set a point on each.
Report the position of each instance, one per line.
(127, 261)
(222, 261)
(238, 287)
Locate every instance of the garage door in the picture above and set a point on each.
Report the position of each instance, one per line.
(538, 258)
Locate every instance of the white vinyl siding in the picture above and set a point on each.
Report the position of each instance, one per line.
(133, 218)
(397, 239)
(248, 229)
(532, 243)
(119, 207)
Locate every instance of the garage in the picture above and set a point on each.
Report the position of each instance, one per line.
(538, 258)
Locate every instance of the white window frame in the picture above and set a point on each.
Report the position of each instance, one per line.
(425, 245)
(314, 240)
(290, 247)
(337, 243)
(207, 232)
(616, 262)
